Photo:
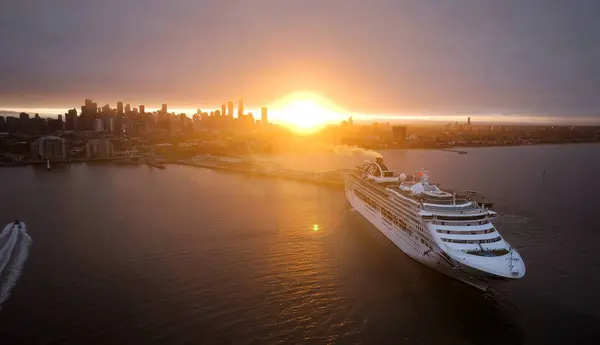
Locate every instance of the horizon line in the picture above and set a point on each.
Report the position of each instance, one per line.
(409, 117)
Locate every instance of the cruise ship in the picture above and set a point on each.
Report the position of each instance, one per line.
(438, 228)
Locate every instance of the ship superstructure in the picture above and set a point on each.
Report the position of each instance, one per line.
(439, 228)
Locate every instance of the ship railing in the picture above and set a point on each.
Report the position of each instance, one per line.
(450, 208)
(460, 222)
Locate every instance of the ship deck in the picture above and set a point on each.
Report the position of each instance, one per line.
(462, 203)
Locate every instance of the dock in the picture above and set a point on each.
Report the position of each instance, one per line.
(460, 152)
(333, 178)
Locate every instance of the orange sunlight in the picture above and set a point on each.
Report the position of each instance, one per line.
(305, 111)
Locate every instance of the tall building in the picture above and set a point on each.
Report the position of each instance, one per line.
(142, 109)
(240, 108)
(24, 123)
(468, 121)
(71, 119)
(223, 110)
(12, 124)
(120, 108)
(127, 109)
(163, 109)
(263, 116)
(89, 111)
(49, 147)
(398, 134)
(230, 108)
(97, 148)
(90, 107)
(98, 125)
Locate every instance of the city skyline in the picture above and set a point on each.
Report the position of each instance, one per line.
(380, 57)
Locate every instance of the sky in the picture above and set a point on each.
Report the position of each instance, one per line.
(531, 57)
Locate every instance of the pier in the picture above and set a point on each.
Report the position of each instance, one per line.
(460, 152)
(333, 178)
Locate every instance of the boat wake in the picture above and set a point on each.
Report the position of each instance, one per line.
(14, 249)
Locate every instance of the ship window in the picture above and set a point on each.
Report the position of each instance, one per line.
(494, 252)
(460, 217)
(496, 239)
(477, 232)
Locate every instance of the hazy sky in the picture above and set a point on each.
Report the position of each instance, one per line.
(376, 56)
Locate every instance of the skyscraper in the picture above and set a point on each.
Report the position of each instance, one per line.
(142, 109)
(230, 108)
(120, 108)
(24, 123)
(163, 109)
(398, 134)
(70, 119)
(223, 110)
(263, 116)
(240, 108)
(127, 109)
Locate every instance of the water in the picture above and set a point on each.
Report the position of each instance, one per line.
(14, 249)
(127, 254)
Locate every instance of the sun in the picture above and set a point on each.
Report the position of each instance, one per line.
(305, 111)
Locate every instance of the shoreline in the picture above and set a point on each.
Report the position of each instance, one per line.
(450, 149)
(68, 161)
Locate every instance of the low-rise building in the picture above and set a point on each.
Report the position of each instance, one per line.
(99, 148)
(49, 148)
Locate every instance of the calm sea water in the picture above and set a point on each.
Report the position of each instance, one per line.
(127, 254)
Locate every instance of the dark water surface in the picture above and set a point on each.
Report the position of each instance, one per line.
(126, 254)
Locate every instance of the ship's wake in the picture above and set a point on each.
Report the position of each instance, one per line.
(14, 248)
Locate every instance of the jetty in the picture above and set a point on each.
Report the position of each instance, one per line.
(460, 152)
(334, 178)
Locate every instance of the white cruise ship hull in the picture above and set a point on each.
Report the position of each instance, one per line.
(412, 247)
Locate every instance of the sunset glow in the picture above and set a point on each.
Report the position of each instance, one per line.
(305, 111)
